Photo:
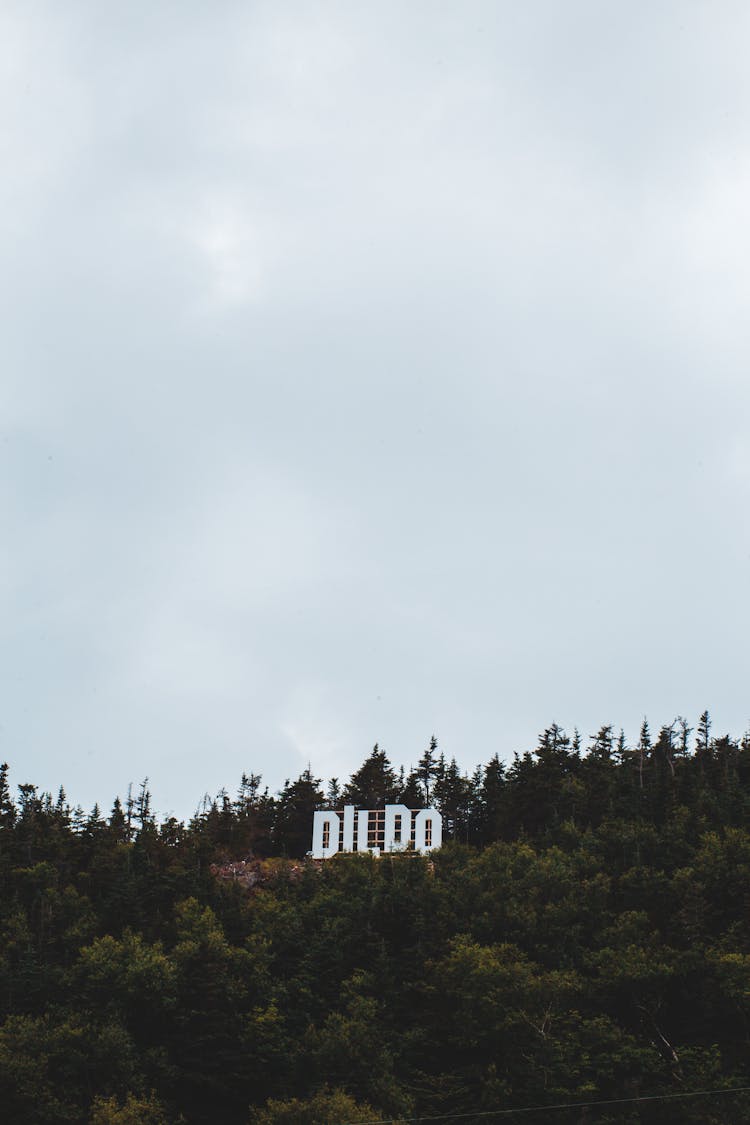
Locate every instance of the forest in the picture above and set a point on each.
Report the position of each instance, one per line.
(577, 951)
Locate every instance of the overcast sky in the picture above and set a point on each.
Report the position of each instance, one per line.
(367, 371)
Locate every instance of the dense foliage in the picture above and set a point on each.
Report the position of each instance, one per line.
(581, 937)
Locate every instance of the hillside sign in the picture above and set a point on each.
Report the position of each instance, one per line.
(392, 829)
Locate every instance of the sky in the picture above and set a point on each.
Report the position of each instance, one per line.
(368, 371)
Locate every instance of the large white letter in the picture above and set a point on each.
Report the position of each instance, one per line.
(325, 841)
(363, 821)
(428, 830)
(397, 828)
(348, 828)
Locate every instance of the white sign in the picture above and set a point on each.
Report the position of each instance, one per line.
(392, 829)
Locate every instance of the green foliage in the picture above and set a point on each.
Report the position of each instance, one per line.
(326, 1108)
(582, 935)
(134, 1111)
(374, 784)
(49, 1063)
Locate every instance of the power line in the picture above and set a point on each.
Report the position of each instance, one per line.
(559, 1105)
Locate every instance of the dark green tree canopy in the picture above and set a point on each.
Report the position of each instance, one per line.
(374, 784)
(580, 937)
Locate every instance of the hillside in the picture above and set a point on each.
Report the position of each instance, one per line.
(581, 937)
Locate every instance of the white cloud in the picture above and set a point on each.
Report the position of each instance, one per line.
(363, 367)
(317, 732)
(230, 243)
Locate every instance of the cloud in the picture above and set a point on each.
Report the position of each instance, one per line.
(367, 372)
(229, 243)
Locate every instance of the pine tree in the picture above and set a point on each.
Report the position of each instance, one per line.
(490, 789)
(428, 769)
(622, 746)
(95, 823)
(452, 793)
(333, 793)
(129, 812)
(253, 815)
(374, 784)
(117, 823)
(683, 735)
(411, 793)
(644, 750)
(7, 808)
(298, 800)
(247, 794)
(601, 743)
(143, 812)
(703, 743)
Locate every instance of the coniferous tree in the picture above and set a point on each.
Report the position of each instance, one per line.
(374, 784)
(142, 812)
(298, 800)
(598, 955)
(411, 792)
(703, 733)
(490, 787)
(644, 751)
(253, 815)
(117, 822)
(7, 808)
(452, 793)
(428, 769)
(333, 793)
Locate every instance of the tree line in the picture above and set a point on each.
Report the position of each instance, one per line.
(581, 937)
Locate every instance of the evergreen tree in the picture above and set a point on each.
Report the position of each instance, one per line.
(703, 734)
(117, 822)
(7, 808)
(142, 812)
(333, 793)
(411, 792)
(490, 787)
(298, 800)
(644, 751)
(253, 817)
(452, 793)
(570, 957)
(374, 784)
(428, 769)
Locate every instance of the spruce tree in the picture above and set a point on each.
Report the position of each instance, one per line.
(428, 769)
(374, 784)
(7, 808)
